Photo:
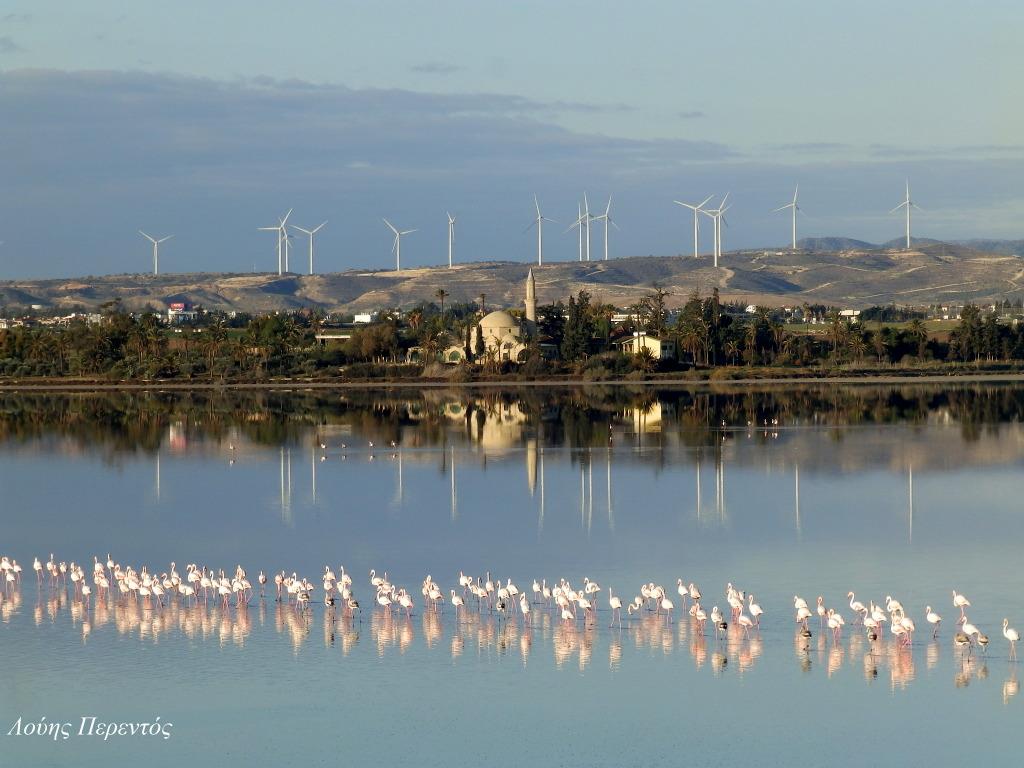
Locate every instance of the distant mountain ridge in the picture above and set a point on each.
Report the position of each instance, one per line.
(833, 244)
(841, 273)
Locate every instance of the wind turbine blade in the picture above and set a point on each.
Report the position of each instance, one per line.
(391, 226)
(612, 222)
(795, 193)
(782, 207)
(898, 207)
(545, 218)
(721, 205)
(532, 225)
(608, 208)
(286, 216)
(162, 239)
(536, 205)
(322, 225)
(407, 231)
(705, 201)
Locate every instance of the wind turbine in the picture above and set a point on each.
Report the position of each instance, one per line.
(156, 250)
(908, 204)
(451, 238)
(794, 208)
(397, 247)
(282, 242)
(697, 209)
(310, 232)
(716, 214)
(539, 224)
(583, 222)
(606, 217)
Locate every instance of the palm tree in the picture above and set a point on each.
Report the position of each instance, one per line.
(732, 350)
(751, 338)
(645, 360)
(838, 331)
(214, 341)
(442, 294)
(919, 333)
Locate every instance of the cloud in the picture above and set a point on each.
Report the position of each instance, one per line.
(7, 45)
(830, 147)
(436, 68)
(209, 161)
(690, 115)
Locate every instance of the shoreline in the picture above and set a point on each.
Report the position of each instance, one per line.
(676, 383)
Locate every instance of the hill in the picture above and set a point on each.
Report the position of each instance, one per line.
(852, 277)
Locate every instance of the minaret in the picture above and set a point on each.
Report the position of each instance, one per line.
(531, 298)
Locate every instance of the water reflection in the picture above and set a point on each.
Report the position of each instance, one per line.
(570, 644)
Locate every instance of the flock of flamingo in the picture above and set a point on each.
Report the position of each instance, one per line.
(112, 581)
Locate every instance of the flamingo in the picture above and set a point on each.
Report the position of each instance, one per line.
(961, 602)
(802, 615)
(755, 611)
(835, 623)
(667, 606)
(934, 619)
(458, 602)
(524, 608)
(820, 610)
(856, 606)
(719, 621)
(616, 606)
(745, 621)
(1012, 636)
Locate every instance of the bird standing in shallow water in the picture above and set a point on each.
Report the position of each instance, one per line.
(1012, 636)
(961, 602)
(934, 619)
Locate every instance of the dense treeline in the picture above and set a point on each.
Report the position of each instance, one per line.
(576, 338)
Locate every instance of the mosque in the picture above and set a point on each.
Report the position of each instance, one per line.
(503, 336)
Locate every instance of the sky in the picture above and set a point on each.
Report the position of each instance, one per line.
(210, 120)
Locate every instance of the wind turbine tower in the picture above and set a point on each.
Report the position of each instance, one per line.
(606, 217)
(697, 209)
(282, 242)
(310, 232)
(583, 222)
(907, 204)
(397, 247)
(794, 207)
(539, 223)
(156, 250)
(716, 215)
(451, 238)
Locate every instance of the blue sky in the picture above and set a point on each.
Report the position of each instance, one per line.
(207, 120)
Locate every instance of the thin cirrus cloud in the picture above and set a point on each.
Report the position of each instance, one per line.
(102, 154)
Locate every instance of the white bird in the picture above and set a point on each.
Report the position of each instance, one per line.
(961, 602)
(616, 606)
(856, 606)
(934, 619)
(1012, 636)
(745, 622)
(755, 611)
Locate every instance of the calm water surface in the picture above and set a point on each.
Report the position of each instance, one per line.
(910, 492)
